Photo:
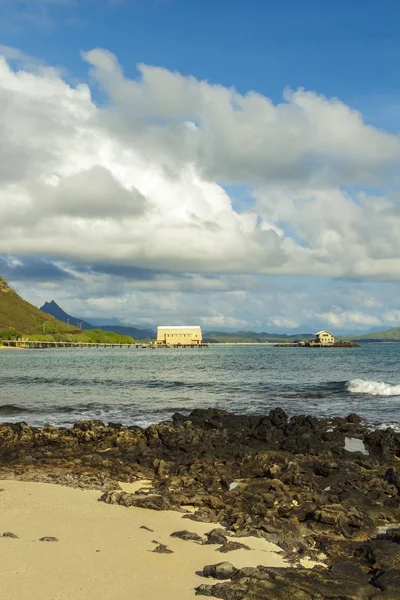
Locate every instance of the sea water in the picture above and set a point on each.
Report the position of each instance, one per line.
(143, 386)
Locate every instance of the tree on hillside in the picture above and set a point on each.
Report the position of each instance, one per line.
(10, 334)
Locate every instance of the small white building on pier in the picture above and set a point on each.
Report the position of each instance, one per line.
(181, 335)
(324, 338)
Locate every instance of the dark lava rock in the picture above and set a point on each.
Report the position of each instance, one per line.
(9, 534)
(187, 535)
(383, 444)
(150, 501)
(231, 546)
(223, 570)
(388, 581)
(48, 539)
(266, 583)
(297, 485)
(162, 549)
(216, 536)
(146, 528)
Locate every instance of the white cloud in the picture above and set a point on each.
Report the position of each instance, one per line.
(348, 319)
(245, 138)
(137, 181)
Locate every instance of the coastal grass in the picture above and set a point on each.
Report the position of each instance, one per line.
(16, 313)
(248, 337)
(391, 335)
(90, 336)
(20, 319)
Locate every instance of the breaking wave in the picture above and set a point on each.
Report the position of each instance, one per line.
(373, 388)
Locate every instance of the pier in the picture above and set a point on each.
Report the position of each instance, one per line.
(45, 344)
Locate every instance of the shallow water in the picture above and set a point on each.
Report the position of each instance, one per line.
(141, 386)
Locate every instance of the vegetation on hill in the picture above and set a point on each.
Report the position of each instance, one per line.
(19, 318)
(10, 334)
(390, 335)
(251, 337)
(24, 317)
(94, 336)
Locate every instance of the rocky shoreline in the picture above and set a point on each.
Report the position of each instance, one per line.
(290, 481)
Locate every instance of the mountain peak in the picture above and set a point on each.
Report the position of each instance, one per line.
(52, 308)
(52, 304)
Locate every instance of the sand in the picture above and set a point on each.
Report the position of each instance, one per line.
(11, 348)
(102, 553)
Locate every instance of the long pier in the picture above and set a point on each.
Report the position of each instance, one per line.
(45, 344)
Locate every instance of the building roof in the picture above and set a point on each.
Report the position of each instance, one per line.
(323, 331)
(179, 327)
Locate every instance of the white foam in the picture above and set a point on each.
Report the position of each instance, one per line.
(374, 388)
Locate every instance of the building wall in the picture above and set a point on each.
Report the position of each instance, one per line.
(179, 335)
(326, 338)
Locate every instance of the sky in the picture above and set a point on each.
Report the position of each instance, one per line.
(230, 164)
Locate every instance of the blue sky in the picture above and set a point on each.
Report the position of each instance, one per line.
(348, 49)
(341, 181)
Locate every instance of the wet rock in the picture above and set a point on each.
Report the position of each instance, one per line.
(389, 581)
(265, 583)
(392, 476)
(162, 549)
(350, 569)
(231, 546)
(296, 481)
(278, 417)
(204, 590)
(381, 554)
(383, 444)
(187, 536)
(48, 538)
(223, 570)
(201, 515)
(150, 501)
(216, 536)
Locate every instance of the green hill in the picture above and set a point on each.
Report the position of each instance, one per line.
(20, 317)
(251, 337)
(18, 314)
(390, 335)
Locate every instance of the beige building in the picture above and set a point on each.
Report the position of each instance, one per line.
(181, 335)
(325, 338)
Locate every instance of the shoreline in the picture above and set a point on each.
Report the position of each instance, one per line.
(11, 347)
(311, 486)
(102, 551)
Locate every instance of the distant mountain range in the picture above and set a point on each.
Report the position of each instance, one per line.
(52, 308)
(221, 336)
(137, 332)
(252, 337)
(390, 335)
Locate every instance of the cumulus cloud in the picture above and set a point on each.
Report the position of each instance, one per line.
(341, 319)
(132, 190)
(247, 138)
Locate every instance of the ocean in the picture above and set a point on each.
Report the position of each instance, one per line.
(143, 386)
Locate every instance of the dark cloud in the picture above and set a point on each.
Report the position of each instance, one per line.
(124, 271)
(32, 268)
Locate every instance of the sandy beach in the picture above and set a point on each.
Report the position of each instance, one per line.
(102, 552)
(11, 348)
